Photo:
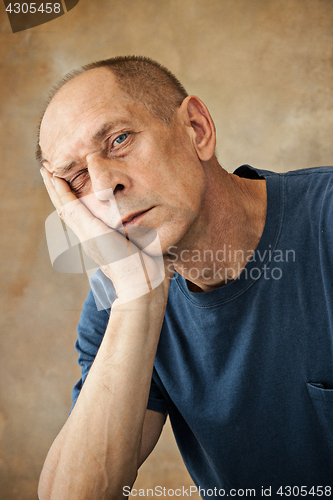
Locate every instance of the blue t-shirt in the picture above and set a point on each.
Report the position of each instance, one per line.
(245, 371)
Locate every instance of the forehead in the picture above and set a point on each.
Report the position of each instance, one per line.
(81, 106)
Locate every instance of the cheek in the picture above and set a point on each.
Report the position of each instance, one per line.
(186, 187)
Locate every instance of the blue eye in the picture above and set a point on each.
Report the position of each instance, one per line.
(121, 138)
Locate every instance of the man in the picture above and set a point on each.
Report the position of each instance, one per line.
(237, 348)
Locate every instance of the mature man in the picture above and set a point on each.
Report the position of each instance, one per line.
(237, 347)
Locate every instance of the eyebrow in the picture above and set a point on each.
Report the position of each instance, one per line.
(105, 129)
(61, 171)
(64, 170)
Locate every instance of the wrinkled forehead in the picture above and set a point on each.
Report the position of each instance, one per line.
(81, 101)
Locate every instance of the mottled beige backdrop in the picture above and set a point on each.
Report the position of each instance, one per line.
(263, 67)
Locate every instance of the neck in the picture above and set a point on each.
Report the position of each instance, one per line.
(226, 233)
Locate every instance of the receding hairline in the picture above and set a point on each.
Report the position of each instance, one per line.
(140, 78)
(58, 93)
(128, 68)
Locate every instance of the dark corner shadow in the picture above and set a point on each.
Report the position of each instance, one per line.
(25, 15)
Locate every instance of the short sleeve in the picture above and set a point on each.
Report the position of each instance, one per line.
(156, 401)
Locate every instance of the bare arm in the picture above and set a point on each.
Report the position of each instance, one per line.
(101, 446)
(109, 432)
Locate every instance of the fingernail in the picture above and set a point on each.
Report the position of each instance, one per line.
(52, 180)
(42, 172)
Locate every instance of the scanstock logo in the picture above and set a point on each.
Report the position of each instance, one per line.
(25, 15)
(134, 253)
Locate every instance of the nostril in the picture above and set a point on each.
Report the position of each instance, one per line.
(119, 187)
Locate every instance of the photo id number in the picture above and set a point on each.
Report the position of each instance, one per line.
(295, 491)
(31, 8)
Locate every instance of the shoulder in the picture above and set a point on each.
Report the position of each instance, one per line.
(315, 174)
(311, 178)
(309, 202)
(313, 187)
(306, 189)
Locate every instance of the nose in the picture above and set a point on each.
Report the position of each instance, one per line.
(105, 180)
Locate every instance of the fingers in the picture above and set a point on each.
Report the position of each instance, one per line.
(47, 178)
(74, 213)
(118, 255)
(58, 189)
(64, 192)
(78, 217)
(70, 209)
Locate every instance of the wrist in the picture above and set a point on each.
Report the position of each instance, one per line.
(154, 299)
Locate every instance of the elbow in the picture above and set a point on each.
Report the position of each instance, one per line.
(50, 489)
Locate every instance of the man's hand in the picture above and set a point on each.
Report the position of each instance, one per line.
(110, 431)
(133, 272)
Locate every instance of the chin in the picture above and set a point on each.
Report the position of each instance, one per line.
(145, 238)
(171, 236)
(156, 242)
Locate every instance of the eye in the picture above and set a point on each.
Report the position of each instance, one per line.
(121, 139)
(79, 183)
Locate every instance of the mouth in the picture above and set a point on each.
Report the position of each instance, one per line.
(133, 219)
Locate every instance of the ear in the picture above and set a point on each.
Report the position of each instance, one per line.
(196, 115)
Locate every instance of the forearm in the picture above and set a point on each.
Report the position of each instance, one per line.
(97, 451)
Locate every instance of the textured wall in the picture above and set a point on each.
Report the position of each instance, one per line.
(263, 67)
